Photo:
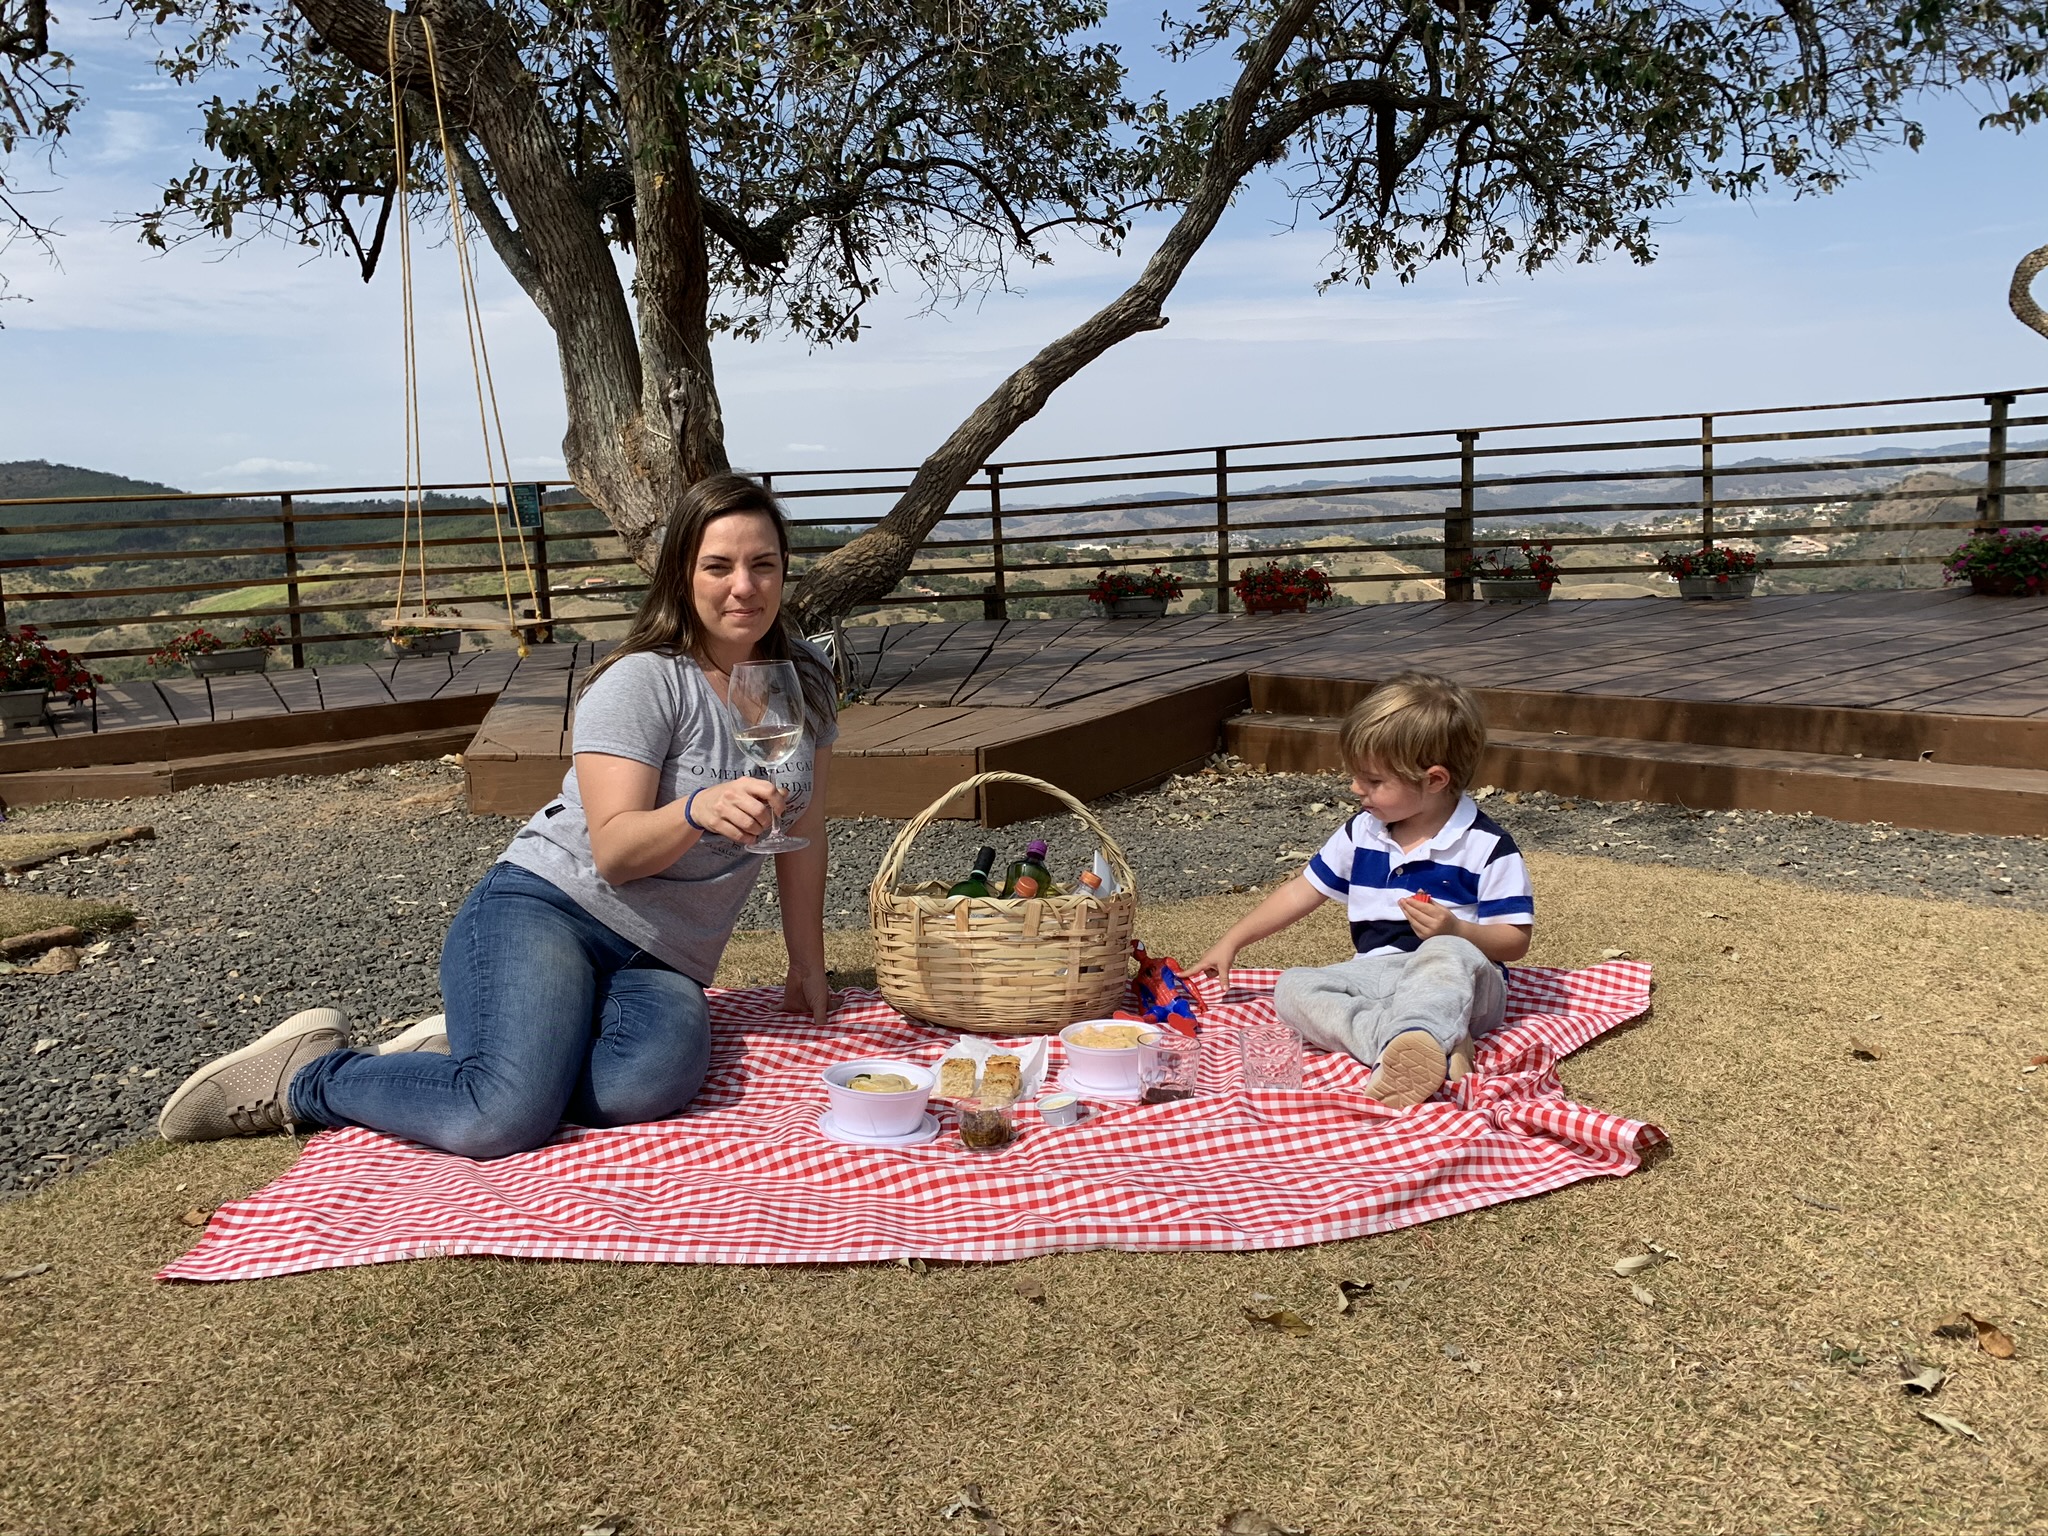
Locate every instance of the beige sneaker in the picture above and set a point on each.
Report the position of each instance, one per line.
(430, 1034)
(243, 1093)
(1410, 1069)
(1461, 1060)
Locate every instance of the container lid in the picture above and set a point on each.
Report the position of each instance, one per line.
(1035, 846)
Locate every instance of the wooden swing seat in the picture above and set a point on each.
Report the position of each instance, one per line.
(434, 621)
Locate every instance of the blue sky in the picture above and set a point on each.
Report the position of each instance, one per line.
(257, 366)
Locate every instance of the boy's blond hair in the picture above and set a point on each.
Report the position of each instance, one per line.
(1412, 723)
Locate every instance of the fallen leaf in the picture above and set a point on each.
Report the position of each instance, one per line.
(1280, 1320)
(600, 1528)
(1641, 1295)
(1634, 1264)
(196, 1217)
(1836, 1354)
(1662, 1252)
(2039, 1061)
(1861, 1052)
(1953, 1426)
(43, 1045)
(1352, 1292)
(1030, 1289)
(1957, 1325)
(1252, 1522)
(1474, 1367)
(968, 1503)
(1730, 952)
(1994, 1340)
(1723, 916)
(1614, 954)
(13, 1275)
(1920, 1380)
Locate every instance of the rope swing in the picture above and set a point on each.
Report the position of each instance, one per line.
(413, 512)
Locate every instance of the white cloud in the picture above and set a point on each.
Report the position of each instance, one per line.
(805, 448)
(546, 461)
(252, 469)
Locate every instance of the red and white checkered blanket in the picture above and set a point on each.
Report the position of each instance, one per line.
(745, 1177)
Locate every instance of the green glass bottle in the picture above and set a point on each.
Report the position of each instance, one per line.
(1029, 877)
(977, 884)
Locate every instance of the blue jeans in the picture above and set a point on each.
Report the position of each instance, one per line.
(551, 1016)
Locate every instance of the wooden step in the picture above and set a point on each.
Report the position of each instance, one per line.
(1990, 741)
(1940, 797)
(119, 781)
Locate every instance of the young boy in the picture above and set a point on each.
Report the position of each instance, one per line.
(1438, 897)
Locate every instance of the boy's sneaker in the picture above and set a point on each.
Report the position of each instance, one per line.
(430, 1034)
(1411, 1068)
(1461, 1060)
(244, 1092)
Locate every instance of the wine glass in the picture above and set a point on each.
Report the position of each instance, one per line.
(765, 703)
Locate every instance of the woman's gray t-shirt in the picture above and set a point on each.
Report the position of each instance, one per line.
(660, 710)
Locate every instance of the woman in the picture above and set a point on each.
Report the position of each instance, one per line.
(574, 975)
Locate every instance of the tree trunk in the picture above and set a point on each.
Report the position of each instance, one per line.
(868, 567)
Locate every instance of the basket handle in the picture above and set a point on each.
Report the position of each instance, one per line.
(892, 861)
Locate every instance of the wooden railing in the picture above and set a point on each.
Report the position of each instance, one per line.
(1457, 492)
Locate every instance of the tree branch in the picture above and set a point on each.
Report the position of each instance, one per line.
(868, 566)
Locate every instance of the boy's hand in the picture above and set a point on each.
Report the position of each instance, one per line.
(1429, 919)
(1217, 962)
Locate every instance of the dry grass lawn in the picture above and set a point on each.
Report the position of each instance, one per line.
(1826, 1211)
(29, 912)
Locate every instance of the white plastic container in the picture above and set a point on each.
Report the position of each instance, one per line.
(877, 1114)
(1092, 1069)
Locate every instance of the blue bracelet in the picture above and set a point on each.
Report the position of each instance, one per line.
(693, 821)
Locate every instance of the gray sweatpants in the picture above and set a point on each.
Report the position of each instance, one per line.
(1446, 987)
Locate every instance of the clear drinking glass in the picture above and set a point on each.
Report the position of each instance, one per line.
(1271, 1055)
(765, 703)
(1169, 1068)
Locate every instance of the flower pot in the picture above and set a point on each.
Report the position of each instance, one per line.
(1134, 608)
(441, 642)
(1274, 604)
(1989, 584)
(1716, 586)
(1497, 589)
(21, 708)
(239, 658)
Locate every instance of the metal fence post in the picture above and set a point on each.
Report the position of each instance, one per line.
(1706, 482)
(291, 578)
(1991, 510)
(1458, 527)
(1223, 530)
(998, 596)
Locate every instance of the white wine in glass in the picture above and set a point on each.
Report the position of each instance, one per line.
(765, 702)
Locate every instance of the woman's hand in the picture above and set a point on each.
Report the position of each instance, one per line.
(739, 809)
(807, 990)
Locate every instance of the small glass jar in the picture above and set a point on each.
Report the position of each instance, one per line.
(1170, 1067)
(1271, 1055)
(987, 1125)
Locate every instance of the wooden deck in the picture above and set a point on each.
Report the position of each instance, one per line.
(1853, 678)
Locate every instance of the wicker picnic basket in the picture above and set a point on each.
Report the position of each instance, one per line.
(993, 967)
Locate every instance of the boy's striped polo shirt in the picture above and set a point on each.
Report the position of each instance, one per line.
(1471, 866)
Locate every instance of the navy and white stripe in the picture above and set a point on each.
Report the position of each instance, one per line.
(1471, 866)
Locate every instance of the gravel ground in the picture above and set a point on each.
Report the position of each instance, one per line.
(256, 900)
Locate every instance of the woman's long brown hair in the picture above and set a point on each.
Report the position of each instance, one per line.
(667, 620)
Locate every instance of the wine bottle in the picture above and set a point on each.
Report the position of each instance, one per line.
(1028, 876)
(977, 884)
